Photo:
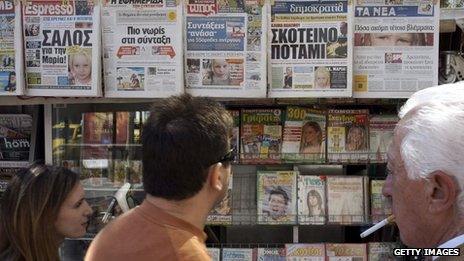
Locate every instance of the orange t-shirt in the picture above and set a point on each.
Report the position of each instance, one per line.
(148, 233)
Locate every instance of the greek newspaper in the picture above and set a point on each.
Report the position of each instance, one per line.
(395, 47)
(142, 53)
(11, 45)
(62, 47)
(310, 46)
(225, 48)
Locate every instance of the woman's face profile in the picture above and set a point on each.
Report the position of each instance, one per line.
(391, 39)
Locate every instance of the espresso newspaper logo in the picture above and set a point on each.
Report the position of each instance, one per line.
(426, 252)
(49, 8)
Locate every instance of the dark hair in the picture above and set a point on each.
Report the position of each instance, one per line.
(279, 191)
(28, 211)
(181, 140)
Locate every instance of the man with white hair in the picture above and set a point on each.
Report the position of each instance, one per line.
(426, 169)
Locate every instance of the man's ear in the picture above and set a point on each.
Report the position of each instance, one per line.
(215, 180)
(441, 191)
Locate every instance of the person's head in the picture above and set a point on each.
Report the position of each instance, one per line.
(355, 138)
(322, 77)
(41, 206)
(426, 177)
(311, 134)
(12, 78)
(80, 65)
(34, 29)
(278, 201)
(314, 200)
(186, 149)
(394, 39)
(220, 68)
(288, 70)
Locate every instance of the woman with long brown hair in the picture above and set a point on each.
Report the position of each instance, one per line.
(41, 206)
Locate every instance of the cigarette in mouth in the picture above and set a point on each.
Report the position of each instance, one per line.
(388, 220)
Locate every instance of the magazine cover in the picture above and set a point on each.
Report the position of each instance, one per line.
(311, 200)
(348, 135)
(221, 214)
(304, 137)
(276, 197)
(235, 141)
(237, 254)
(15, 140)
(62, 47)
(310, 48)
(383, 251)
(396, 50)
(122, 171)
(225, 48)
(380, 205)
(380, 136)
(345, 199)
(11, 46)
(305, 252)
(96, 140)
(271, 254)
(214, 253)
(337, 252)
(142, 54)
(261, 135)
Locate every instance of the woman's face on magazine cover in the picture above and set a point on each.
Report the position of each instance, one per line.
(310, 135)
(312, 201)
(390, 39)
(220, 68)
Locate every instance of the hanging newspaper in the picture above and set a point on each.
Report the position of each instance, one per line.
(395, 47)
(11, 46)
(310, 48)
(225, 48)
(142, 54)
(62, 47)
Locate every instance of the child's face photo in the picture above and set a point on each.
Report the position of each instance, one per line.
(388, 39)
(322, 80)
(220, 68)
(81, 67)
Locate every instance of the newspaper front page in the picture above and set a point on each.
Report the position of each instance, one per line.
(142, 53)
(11, 46)
(62, 47)
(310, 47)
(225, 48)
(395, 47)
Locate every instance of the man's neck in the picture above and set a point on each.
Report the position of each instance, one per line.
(189, 210)
(453, 229)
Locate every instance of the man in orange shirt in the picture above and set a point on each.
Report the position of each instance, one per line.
(186, 170)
